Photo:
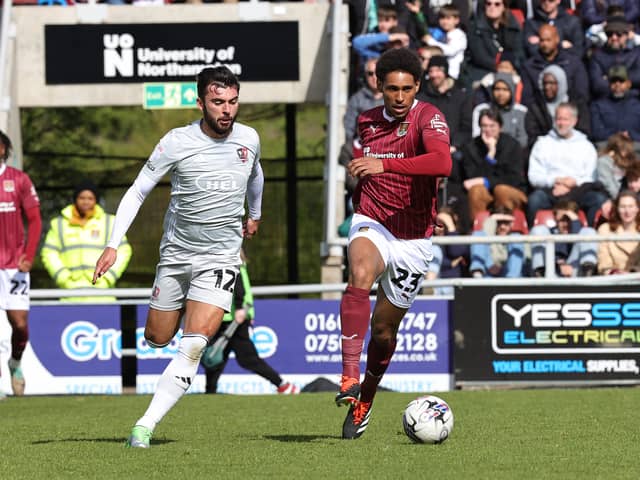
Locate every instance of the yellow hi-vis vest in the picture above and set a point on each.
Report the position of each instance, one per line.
(70, 252)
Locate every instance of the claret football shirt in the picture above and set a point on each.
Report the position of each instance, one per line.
(17, 195)
(405, 204)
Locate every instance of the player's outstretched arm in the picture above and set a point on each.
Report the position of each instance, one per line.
(104, 263)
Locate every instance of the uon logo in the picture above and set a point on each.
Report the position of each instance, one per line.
(118, 54)
(222, 181)
(552, 323)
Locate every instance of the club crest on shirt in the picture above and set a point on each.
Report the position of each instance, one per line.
(9, 186)
(243, 153)
(438, 124)
(403, 128)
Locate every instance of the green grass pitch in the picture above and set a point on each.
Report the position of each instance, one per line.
(498, 434)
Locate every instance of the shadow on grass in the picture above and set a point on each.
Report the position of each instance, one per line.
(122, 441)
(300, 438)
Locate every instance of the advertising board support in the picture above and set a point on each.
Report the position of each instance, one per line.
(128, 361)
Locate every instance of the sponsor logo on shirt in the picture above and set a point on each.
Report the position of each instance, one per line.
(373, 128)
(222, 181)
(7, 207)
(243, 153)
(438, 124)
(366, 151)
(155, 293)
(403, 129)
(9, 186)
(150, 165)
(95, 233)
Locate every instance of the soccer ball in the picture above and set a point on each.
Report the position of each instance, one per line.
(428, 419)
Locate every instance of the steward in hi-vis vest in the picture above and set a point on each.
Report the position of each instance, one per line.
(75, 241)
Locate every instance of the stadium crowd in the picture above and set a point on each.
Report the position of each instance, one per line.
(541, 98)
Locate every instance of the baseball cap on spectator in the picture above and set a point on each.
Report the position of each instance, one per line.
(616, 24)
(439, 61)
(618, 72)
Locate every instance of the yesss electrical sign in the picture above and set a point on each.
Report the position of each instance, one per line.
(573, 333)
(565, 323)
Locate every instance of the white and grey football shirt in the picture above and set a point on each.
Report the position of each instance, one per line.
(209, 180)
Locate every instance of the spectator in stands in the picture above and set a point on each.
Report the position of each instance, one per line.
(512, 113)
(454, 43)
(572, 259)
(595, 32)
(441, 90)
(492, 167)
(425, 53)
(562, 164)
(449, 261)
(431, 9)
(619, 50)
(365, 98)
(595, 12)
(76, 239)
(497, 259)
(371, 45)
(550, 12)
(617, 168)
(621, 256)
(482, 89)
(617, 112)
(549, 53)
(552, 91)
(492, 33)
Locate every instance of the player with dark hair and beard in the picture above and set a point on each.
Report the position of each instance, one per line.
(406, 150)
(214, 165)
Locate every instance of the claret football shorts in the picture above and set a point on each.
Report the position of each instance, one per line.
(14, 289)
(183, 275)
(406, 261)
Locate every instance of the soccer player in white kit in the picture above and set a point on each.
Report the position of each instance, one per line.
(214, 165)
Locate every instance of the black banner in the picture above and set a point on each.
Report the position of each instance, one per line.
(547, 334)
(170, 52)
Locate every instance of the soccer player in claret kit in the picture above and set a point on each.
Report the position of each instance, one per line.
(18, 199)
(214, 165)
(406, 150)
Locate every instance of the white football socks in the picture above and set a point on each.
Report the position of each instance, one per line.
(176, 379)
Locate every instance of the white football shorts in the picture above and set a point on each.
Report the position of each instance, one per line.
(406, 261)
(183, 275)
(14, 289)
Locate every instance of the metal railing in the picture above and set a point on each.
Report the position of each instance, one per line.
(135, 295)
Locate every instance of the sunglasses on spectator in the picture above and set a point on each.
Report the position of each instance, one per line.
(617, 34)
(494, 4)
(370, 73)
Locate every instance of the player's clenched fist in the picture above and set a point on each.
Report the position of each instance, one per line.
(359, 167)
(104, 263)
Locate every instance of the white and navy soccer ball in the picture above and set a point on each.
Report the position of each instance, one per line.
(428, 419)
